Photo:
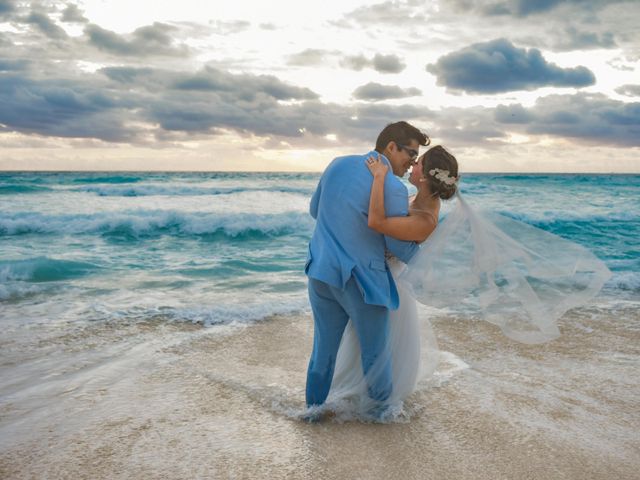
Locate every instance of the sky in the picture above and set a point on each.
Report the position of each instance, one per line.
(505, 85)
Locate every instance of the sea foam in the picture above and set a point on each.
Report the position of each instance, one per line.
(141, 223)
(182, 190)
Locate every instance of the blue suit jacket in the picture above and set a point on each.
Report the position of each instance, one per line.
(342, 244)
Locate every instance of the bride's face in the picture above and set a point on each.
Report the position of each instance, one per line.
(416, 172)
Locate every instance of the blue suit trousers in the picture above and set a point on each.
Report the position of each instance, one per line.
(332, 308)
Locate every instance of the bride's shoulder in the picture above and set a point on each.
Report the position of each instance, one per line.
(430, 215)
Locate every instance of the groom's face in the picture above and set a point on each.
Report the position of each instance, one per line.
(402, 157)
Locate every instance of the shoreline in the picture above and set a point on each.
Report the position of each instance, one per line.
(159, 400)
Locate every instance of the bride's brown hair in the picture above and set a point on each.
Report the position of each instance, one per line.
(438, 157)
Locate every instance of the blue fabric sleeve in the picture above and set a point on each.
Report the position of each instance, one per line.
(315, 199)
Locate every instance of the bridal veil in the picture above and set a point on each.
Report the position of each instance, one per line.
(514, 275)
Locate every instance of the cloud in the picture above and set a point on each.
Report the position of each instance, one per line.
(512, 114)
(583, 119)
(265, 117)
(126, 74)
(591, 118)
(73, 14)
(149, 40)
(376, 92)
(622, 64)
(525, 8)
(566, 25)
(208, 81)
(6, 7)
(522, 7)
(388, 63)
(141, 102)
(308, 57)
(498, 66)
(356, 62)
(46, 25)
(574, 39)
(392, 13)
(229, 27)
(108, 104)
(133, 105)
(136, 104)
(243, 86)
(629, 90)
(61, 108)
(472, 126)
(13, 65)
(380, 63)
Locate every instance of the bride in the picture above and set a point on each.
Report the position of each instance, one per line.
(516, 276)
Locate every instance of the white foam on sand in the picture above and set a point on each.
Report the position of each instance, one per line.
(449, 365)
(151, 400)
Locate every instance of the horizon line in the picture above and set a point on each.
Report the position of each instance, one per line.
(519, 172)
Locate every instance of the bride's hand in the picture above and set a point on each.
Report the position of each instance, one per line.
(376, 167)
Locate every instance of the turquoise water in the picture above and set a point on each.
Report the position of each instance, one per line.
(230, 247)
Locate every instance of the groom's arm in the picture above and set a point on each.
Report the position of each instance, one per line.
(397, 205)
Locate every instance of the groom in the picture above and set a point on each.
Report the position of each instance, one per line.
(348, 275)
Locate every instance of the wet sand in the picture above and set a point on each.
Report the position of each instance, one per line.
(177, 401)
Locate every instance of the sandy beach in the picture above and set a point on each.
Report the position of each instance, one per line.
(179, 401)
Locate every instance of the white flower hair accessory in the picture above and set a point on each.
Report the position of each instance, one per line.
(443, 176)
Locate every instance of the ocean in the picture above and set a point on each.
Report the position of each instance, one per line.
(229, 247)
(119, 291)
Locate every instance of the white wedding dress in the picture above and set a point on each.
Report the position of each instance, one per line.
(414, 357)
(481, 265)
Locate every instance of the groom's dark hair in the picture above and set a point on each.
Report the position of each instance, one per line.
(400, 132)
